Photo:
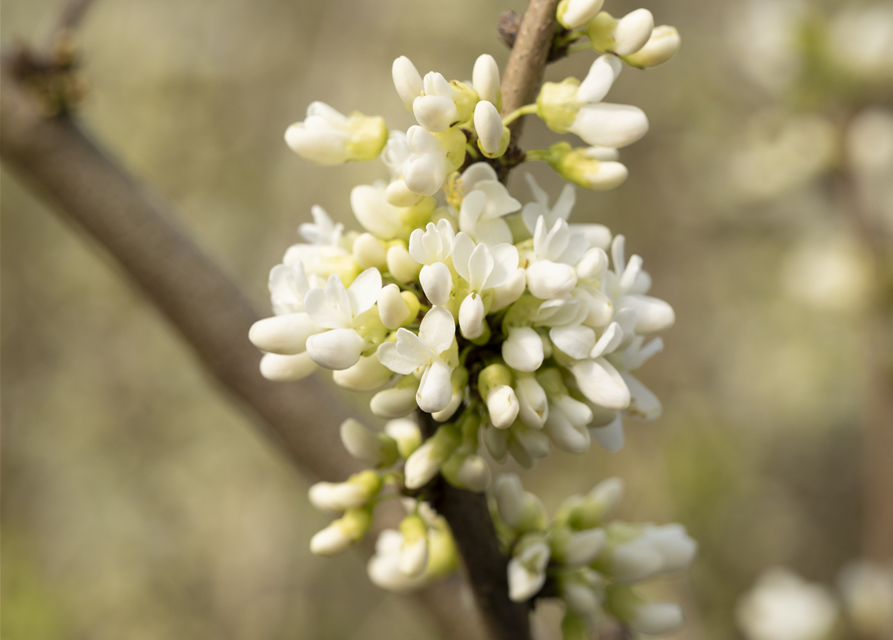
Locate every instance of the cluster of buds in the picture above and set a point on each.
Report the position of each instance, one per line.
(587, 560)
(489, 319)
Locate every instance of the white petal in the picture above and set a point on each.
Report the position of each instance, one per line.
(523, 349)
(480, 266)
(658, 618)
(503, 406)
(576, 342)
(652, 315)
(437, 282)
(471, 210)
(485, 78)
(610, 125)
(505, 262)
(564, 435)
(463, 246)
(336, 349)
(510, 290)
(407, 80)
(608, 343)
(488, 125)
(285, 335)
(546, 279)
(388, 356)
(633, 32)
(394, 403)
(326, 148)
(435, 113)
(372, 210)
(435, 389)
(471, 316)
(366, 375)
(598, 81)
(580, 12)
(413, 348)
(438, 330)
(601, 383)
(286, 368)
(609, 436)
(493, 232)
(644, 405)
(363, 292)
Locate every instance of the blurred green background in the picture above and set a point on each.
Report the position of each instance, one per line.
(139, 503)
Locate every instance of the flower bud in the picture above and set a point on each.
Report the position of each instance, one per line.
(435, 113)
(590, 511)
(557, 104)
(634, 561)
(471, 316)
(527, 572)
(414, 549)
(580, 167)
(392, 308)
(341, 496)
(657, 618)
(474, 473)
(378, 450)
(425, 462)
(576, 13)
(399, 195)
(675, 546)
(610, 125)
(547, 280)
(523, 349)
(286, 368)
(564, 434)
(580, 547)
(509, 291)
(661, 47)
(369, 252)
(407, 80)
(518, 509)
(327, 138)
(600, 382)
(485, 78)
(580, 597)
(622, 37)
(652, 315)
(437, 282)
(493, 137)
(503, 406)
(342, 533)
(602, 74)
(286, 334)
(394, 403)
(368, 374)
(406, 434)
(435, 390)
(336, 349)
(400, 263)
(534, 406)
(426, 169)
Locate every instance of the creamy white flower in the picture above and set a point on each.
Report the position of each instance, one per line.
(624, 36)
(422, 354)
(285, 334)
(517, 508)
(566, 424)
(474, 473)
(407, 80)
(601, 383)
(609, 436)
(610, 125)
(782, 606)
(485, 78)
(512, 289)
(635, 561)
(368, 374)
(583, 547)
(369, 252)
(406, 434)
(576, 13)
(427, 166)
(327, 137)
(483, 268)
(597, 235)
(527, 572)
(395, 154)
(401, 264)
(675, 546)
(372, 210)
(286, 368)
(435, 109)
(489, 127)
(502, 404)
(657, 618)
(394, 403)
(550, 273)
(660, 48)
(628, 283)
(361, 443)
(431, 248)
(337, 309)
(392, 308)
(532, 401)
(485, 202)
(384, 566)
(523, 349)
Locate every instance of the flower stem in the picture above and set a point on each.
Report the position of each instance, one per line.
(472, 150)
(579, 47)
(537, 154)
(527, 109)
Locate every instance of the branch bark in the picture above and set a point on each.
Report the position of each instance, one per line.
(89, 188)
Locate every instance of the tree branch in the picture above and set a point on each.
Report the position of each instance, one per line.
(527, 63)
(87, 186)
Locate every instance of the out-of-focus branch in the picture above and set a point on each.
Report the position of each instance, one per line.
(88, 187)
(527, 62)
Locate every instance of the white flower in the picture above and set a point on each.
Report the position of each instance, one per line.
(483, 268)
(782, 606)
(369, 252)
(422, 354)
(867, 590)
(328, 138)
(406, 434)
(597, 235)
(660, 48)
(427, 166)
(502, 404)
(518, 509)
(431, 248)
(601, 383)
(624, 36)
(361, 443)
(286, 333)
(489, 127)
(523, 349)
(628, 286)
(566, 424)
(583, 547)
(394, 403)
(485, 203)
(610, 125)
(392, 307)
(550, 273)
(474, 473)
(675, 546)
(378, 216)
(485, 78)
(395, 154)
(407, 80)
(384, 566)
(425, 462)
(532, 400)
(435, 109)
(286, 368)
(527, 572)
(337, 308)
(342, 533)
(635, 561)
(657, 618)
(368, 374)
(576, 13)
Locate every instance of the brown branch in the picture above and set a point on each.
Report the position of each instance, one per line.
(89, 188)
(527, 63)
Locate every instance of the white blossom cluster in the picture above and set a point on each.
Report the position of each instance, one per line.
(591, 561)
(784, 606)
(490, 319)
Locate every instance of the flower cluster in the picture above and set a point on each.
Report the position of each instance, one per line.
(590, 561)
(490, 319)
